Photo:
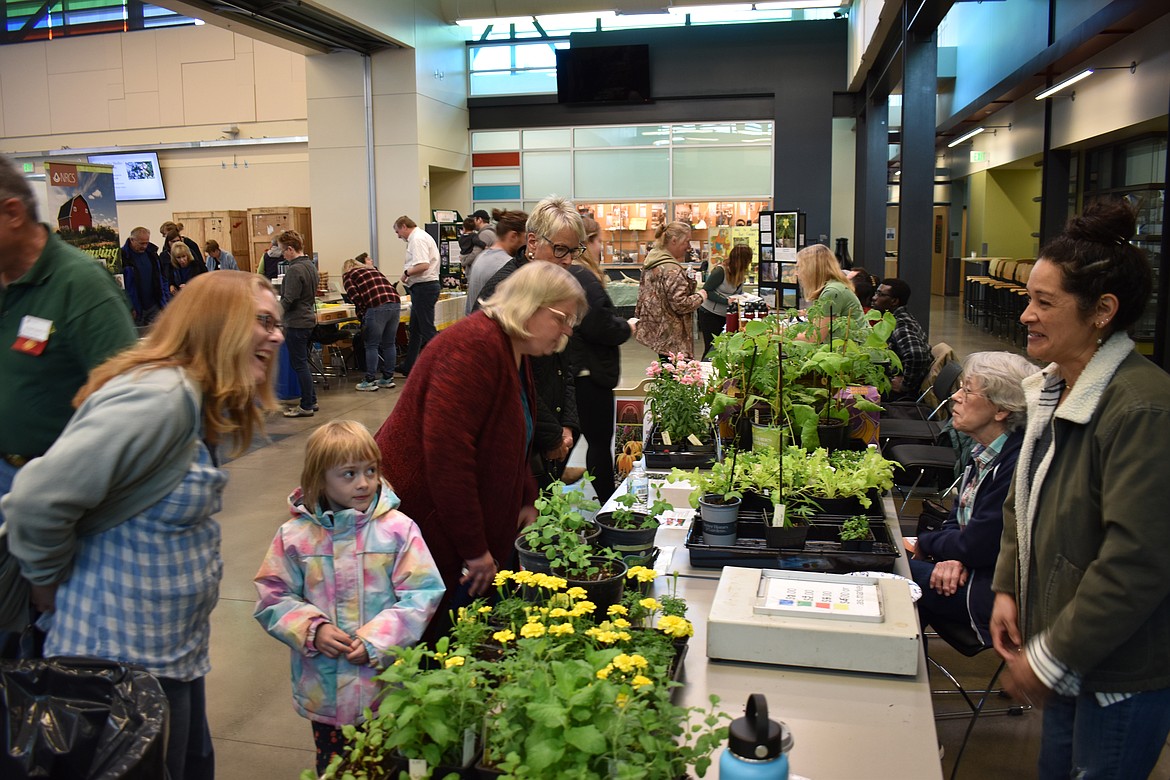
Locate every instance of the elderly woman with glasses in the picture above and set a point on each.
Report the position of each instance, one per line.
(456, 446)
(667, 296)
(954, 564)
(555, 234)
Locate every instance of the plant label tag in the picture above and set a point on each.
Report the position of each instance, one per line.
(468, 745)
(693, 439)
(418, 769)
(666, 438)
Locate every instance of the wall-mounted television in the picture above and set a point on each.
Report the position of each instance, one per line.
(604, 74)
(137, 175)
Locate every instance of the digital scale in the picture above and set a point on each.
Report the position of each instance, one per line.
(823, 621)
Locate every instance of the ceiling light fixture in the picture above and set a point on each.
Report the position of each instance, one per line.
(965, 137)
(1084, 74)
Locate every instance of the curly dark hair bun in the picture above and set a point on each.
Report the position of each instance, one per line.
(1104, 222)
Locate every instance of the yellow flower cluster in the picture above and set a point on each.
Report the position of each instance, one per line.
(675, 626)
(532, 630)
(606, 635)
(651, 604)
(628, 664)
(641, 574)
(577, 592)
(617, 609)
(505, 635)
(455, 660)
(534, 579)
(560, 629)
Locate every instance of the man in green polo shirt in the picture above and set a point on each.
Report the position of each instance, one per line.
(61, 314)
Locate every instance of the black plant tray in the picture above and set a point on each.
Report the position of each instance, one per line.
(847, 507)
(822, 550)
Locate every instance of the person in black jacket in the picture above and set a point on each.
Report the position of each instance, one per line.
(595, 355)
(954, 564)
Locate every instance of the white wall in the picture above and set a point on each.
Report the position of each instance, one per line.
(844, 181)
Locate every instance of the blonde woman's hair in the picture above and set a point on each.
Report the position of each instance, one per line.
(179, 249)
(816, 266)
(587, 259)
(672, 231)
(533, 285)
(552, 215)
(331, 445)
(208, 331)
(351, 264)
(738, 260)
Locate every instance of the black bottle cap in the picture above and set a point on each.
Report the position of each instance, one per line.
(754, 736)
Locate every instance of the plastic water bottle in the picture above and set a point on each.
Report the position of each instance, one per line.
(640, 482)
(757, 748)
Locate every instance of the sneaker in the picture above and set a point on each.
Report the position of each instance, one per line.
(297, 411)
(367, 387)
(387, 383)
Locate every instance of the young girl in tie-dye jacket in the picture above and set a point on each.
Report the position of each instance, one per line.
(346, 579)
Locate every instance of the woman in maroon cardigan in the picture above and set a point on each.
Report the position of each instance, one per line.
(456, 446)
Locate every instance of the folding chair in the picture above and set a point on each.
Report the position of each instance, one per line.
(962, 637)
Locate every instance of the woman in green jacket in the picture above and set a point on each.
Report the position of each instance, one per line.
(1082, 605)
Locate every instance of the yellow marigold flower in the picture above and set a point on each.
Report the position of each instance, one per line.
(632, 572)
(593, 632)
(576, 592)
(455, 660)
(532, 630)
(484, 610)
(603, 674)
(624, 636)
(640, 681)
(558, 612)
(586, 607)
(675, 626)
(624, 662)
(561, 629)
(621, 699)
(533, 618)
(440, 655)
(502, 577)
(617, 609)
(639, 661)
(643, 574)
(522, 577)
(621, 623)
(556, 583)
(650, 604)
(506, 635)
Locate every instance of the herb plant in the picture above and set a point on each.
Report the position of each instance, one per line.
(854, 529)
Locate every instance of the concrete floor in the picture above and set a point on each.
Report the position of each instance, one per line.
(257, 734)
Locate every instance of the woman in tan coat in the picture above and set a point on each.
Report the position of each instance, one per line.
(667, 297)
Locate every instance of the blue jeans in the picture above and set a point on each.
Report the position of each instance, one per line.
(379, 330)
(190, 752)
(298, 340)
(1084, 740)
(423, 297)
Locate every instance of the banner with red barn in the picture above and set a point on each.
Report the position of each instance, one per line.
(86, 212)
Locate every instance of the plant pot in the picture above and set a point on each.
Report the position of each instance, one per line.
(833, 433)
(786, 538)
(719, 519)
(606, 589)
(766, 436)
(682, 455)
(846, 507)
(625, 540)
(756, 503)
(858, 545)
(465, 772)
(530, 560)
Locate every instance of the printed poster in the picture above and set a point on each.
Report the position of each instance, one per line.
(86, 211)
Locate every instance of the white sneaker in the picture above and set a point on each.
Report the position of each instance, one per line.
(366, 387)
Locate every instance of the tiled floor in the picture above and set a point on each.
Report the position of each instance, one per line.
(257, 734)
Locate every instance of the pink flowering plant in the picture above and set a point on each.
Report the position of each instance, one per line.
(679, 398)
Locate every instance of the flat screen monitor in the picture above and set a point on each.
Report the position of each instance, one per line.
(137, 175)
(604, 74)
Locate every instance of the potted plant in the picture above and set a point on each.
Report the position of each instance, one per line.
(681, 433)
(824, 477)
(816, 375)
(855, 534)
(716, 496)
(747, 378)
(627, 529)
(559, 513)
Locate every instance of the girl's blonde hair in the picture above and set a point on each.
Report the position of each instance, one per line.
(737, 264)
(209, 332)
(331, 445)
(534, 284)
(672, 231)
(816, 266)
(179, 249)
(587, 259)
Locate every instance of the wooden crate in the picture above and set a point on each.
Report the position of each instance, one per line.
(264, 224)
(229, 228)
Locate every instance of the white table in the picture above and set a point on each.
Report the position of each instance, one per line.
(846, 725)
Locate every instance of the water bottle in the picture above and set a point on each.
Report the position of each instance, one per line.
(640, 482)
(757, 748)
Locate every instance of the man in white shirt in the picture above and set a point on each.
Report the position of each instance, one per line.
(420, 276)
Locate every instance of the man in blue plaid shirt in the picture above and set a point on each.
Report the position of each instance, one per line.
(908, 340)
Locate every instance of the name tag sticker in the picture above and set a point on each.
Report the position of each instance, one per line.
(33, 335)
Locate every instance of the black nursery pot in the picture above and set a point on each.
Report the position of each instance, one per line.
(625, 540)
(790, 538)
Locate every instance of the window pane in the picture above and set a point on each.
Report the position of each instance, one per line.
(495, 141)
(514, 82)
(560, 138)
(495, 176)
(637, 135)
(722, 172)
(756, 133)
(547, 173)
(624, 174)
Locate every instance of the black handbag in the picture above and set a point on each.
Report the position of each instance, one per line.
(14, 589)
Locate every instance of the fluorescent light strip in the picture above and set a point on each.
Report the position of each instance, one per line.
(1066, 83)
(964, 137)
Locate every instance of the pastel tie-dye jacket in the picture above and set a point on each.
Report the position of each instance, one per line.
(371, 575)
